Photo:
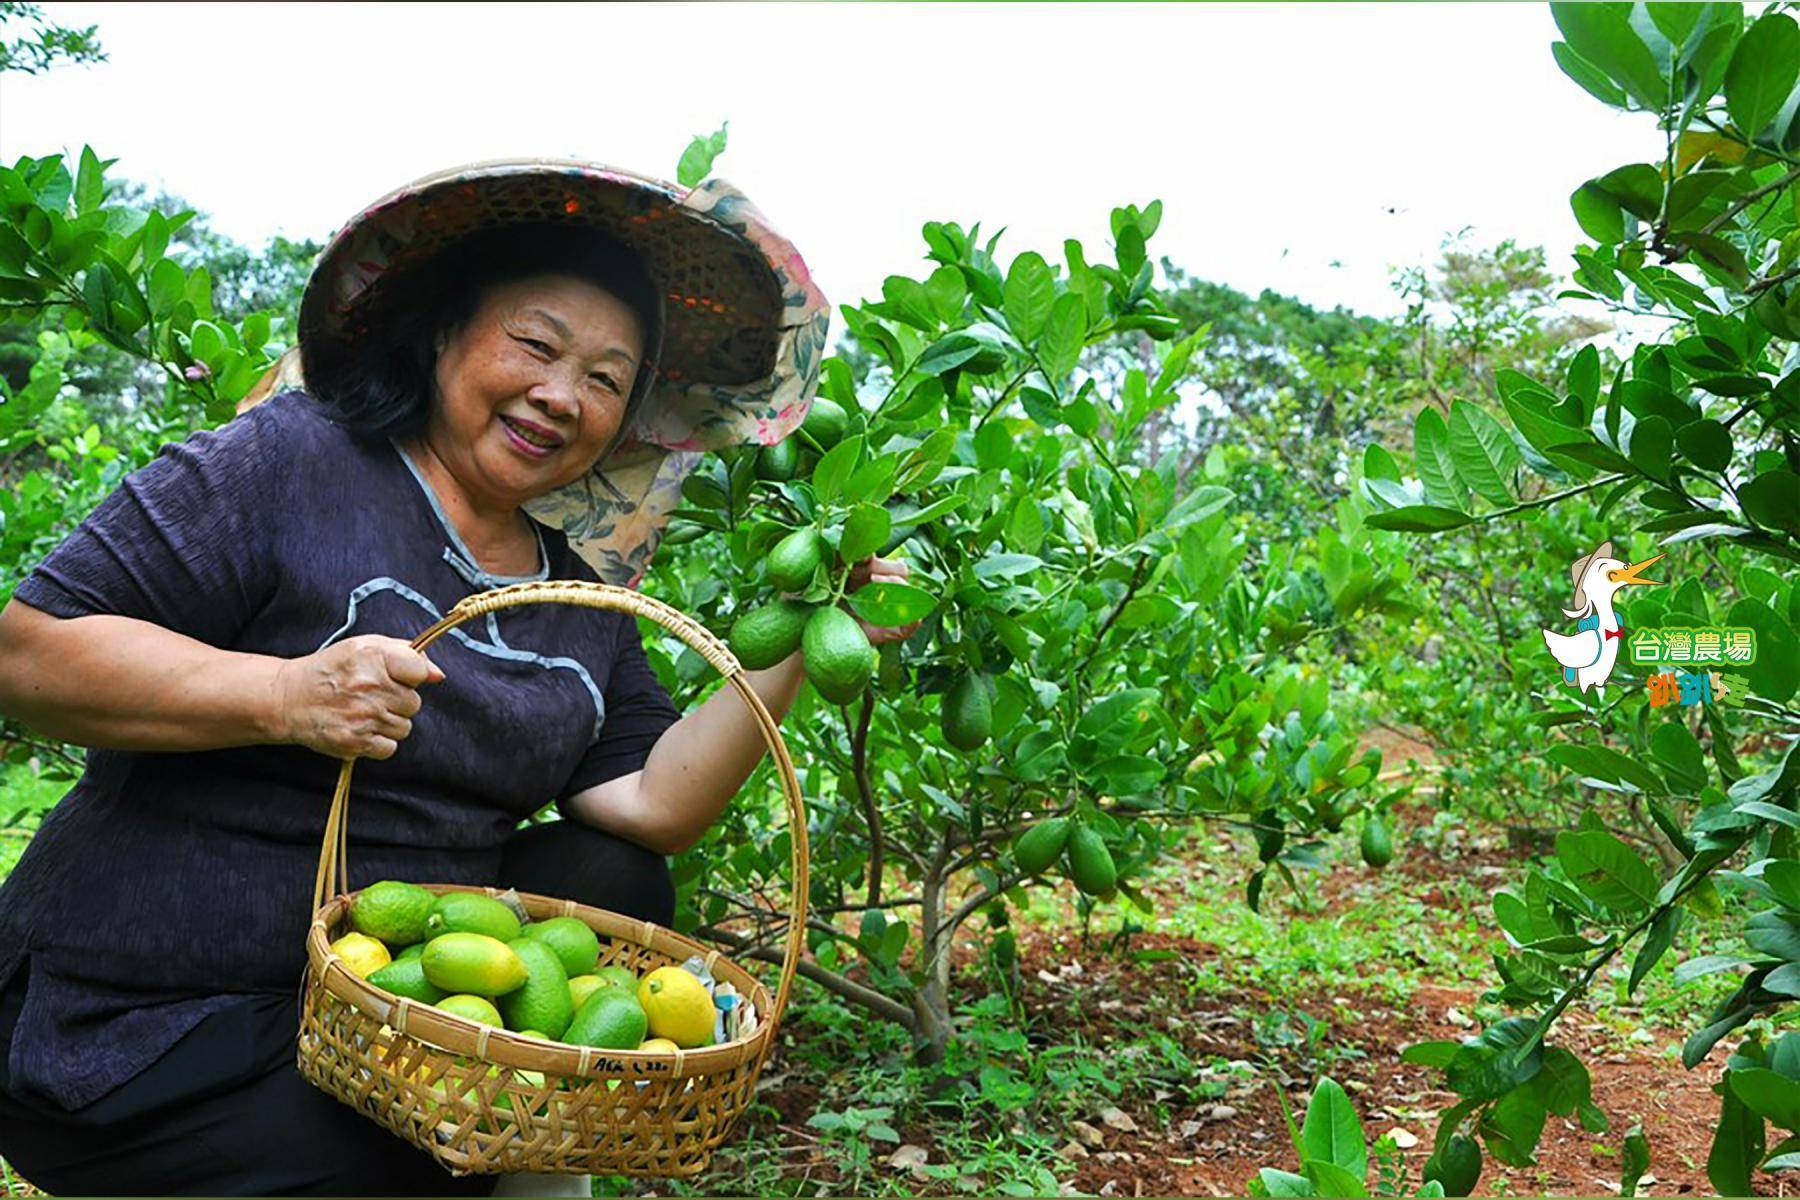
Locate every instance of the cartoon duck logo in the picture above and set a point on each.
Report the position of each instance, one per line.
(1587, 655)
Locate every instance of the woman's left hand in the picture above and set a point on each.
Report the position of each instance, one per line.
(881, 570)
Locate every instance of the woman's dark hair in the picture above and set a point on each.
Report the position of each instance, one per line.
(385, 388)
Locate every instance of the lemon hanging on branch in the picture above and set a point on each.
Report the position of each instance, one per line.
(1039, 846)
(794, 559)
(967, 716)
(765, 636)
(839, 659)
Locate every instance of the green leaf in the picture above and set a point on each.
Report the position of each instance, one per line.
(948, 291)
(1495, 1061)
(1126, 775)
(1772, 499)
(1331, 1132)
(1511, 1128)
(1651, 447)
(1607, 870)
(1437, 470)
(1656, 944)
(1776, 672)
(1430, 1054)
(1638, 189)
(697, 160)
(1762, 72)
(1737, 1146)
(167, 282)
(90, 182)
(1598, 214)
(1767, 1094)
(1112, 721)
(1005, 566)
(1065, 331)
(1418, 518)
(835, 467)
(1705, 443)
(948, 353)
(1280, 1183)
(993, 445)
(1603, 762)
(889, 604)
(1329, 1179)
(1684, 762)
(865, 532)
(1030, 289)
(1484, 454)
(1601, 34)
(1590, 77)
(1025, 530)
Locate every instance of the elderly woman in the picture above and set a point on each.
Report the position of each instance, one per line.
(235, 620)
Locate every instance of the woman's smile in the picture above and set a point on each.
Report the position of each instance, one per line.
(531, 440)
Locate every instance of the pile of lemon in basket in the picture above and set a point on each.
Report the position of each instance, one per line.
(470, 954)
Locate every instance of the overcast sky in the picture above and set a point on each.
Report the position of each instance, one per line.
(1305, 148)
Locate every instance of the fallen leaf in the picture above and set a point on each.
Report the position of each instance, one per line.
(1073, 1150)
(1089, 1136)
(1118, 1119)
(908, 1156)
(1222, 1112)
(1403, 1138)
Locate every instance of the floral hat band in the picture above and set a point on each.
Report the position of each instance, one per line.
(742, 326)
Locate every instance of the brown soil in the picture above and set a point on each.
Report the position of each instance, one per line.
(1212, 1147)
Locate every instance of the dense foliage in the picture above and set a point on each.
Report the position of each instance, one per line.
(1689, 440)
(1176, 550)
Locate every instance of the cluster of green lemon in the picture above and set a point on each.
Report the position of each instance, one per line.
(470, 955)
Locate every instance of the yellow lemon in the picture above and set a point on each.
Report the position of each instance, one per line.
(361, 953)
(660, 1045)
(678, 1007)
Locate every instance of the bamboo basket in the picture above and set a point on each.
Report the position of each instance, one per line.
(454, 1088)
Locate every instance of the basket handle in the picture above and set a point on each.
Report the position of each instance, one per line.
(333, 876)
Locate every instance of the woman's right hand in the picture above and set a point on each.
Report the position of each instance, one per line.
(355, 698)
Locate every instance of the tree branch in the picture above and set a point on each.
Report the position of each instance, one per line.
(832, 982)
(859, 769)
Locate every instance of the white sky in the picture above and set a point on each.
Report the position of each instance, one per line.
(1278, 136)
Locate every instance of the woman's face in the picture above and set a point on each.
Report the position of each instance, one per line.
(532, 387)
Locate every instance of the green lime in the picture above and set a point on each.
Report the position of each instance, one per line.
(472, 912)
(826, 422)
(1377, 844)
(406, 977)
(791, 563)
(576, 945)
(765, 636)
(612, 1019)
(471, 1008)
(583, 986)
(472, 962)
(1090, 862)
(392, 911)
(967, 715)
(839, 659)
(618, 976)
(543, 1003)
(777, 463)
(1039, 846)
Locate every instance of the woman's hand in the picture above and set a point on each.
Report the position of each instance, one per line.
(355, 698)
(881, 570)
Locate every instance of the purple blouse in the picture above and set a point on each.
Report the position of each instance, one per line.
(166, 886)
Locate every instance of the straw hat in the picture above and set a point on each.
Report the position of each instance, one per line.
(743, 325)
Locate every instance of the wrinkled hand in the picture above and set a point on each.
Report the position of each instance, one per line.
(355, 698)
(881, 570)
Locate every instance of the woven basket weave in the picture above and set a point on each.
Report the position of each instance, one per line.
(453, 1087)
